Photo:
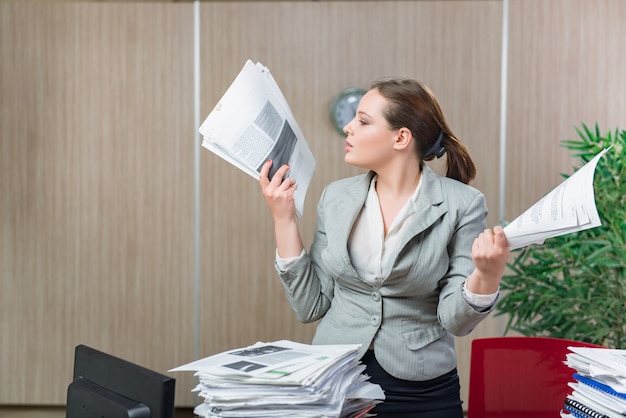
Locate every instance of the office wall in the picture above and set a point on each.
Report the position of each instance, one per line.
(566, 61)
(98, 152)
(96, 186)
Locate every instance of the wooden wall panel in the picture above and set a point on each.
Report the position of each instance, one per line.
(314, 50)
(96, 155)
(96, 179)
(566, 61)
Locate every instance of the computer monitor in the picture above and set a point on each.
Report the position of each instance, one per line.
(105, 386)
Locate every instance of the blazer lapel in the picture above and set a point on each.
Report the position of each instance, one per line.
(341, 217)
(352, 207)
(430, 205)
(344, 215)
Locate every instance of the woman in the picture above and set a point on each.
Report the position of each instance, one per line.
(401, 260)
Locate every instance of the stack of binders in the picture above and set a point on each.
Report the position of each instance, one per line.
(599, 384)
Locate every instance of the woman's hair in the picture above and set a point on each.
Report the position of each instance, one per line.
(413, 106)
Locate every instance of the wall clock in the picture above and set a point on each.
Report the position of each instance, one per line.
(344, 105)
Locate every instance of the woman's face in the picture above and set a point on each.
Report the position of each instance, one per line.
(369, 141)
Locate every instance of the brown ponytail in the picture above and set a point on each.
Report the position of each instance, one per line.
(412, 105)
(458, 161)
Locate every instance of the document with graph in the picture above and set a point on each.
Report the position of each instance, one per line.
(253, 123)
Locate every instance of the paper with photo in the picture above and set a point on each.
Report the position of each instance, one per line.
(253, 123)
(269, 360)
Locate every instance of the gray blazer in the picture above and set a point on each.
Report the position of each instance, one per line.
(411, 316)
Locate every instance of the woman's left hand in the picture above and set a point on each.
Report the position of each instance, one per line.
(490, 253)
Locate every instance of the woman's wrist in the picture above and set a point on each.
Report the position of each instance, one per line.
(478, 284)
(288, 241)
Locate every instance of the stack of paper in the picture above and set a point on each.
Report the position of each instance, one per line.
(284, 379)
(570, 207)
(253, 123)
(599, 386)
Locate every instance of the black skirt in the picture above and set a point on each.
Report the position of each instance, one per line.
(436, 398)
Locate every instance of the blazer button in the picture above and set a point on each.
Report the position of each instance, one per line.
(376, 296)
(375, 321)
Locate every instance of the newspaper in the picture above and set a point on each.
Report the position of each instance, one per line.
(284, 379)
(253, 123)
(262, 361)
(570, 207)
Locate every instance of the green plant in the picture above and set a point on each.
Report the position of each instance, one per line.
(574, 286)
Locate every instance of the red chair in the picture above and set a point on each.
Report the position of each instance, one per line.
(515, 377)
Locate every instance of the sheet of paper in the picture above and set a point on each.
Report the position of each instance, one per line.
(267, 359)
(253, 123)
(570, 207)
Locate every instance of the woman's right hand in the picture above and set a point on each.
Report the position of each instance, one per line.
(278, 192)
